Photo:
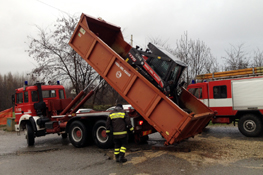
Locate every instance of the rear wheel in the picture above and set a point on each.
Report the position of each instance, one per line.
(30, 135)
(78, 134)
(250, 125)
(101, 139)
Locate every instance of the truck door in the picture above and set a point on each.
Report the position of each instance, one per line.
(200, 91)
(220, 97)
(22, 105)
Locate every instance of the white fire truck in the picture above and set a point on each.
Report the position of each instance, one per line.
(236, 96)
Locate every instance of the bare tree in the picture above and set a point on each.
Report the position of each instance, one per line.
(56, 59)
(8, 84)
(258, 58)
(236, 58)
(197, 55)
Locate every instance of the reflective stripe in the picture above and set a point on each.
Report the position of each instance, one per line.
(131, 129)
(146, 132)
(117, 151)
(107, 131)
(123, 149)
(117, 115)
(120, 133)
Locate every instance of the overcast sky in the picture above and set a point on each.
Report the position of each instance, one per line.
(218, 23)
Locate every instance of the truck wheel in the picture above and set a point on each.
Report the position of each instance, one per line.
(78, 134)
(250, 125)
(101, 139)
(30, 137)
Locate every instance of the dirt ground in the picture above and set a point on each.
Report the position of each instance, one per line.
(212, 150)
(216, 145)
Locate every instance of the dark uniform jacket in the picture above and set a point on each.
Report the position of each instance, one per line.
(119, 122)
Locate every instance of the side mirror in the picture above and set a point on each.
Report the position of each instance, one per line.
(13, 99)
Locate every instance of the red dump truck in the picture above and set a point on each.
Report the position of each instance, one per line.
(103, 47)
(146, 80)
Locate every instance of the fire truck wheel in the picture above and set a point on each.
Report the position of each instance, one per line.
(250, 125)
(78, 134)
(29, 135)
(101, 139)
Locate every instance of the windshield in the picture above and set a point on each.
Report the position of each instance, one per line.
(159, 66)
(175, 73)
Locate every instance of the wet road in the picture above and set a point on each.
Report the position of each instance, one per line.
(53, 155)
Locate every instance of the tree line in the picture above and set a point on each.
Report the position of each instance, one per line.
(8, 84)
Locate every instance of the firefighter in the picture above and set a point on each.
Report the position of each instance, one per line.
(119, 122)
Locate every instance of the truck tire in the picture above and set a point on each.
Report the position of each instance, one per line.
(78, 134)
(30, 137)
(101, 139)
(250, 125)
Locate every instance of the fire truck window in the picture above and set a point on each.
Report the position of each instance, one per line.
(19, 98)
(192, 90)
(49, 93)
(197, 92)
(25, 97)
(61, 94)
(34, 96)
(220, 91)
(53, 93)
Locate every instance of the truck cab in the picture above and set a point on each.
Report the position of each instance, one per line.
(38, 101)
(216, 95)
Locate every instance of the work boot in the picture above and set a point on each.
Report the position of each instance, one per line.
(121, 158)
(117, 157)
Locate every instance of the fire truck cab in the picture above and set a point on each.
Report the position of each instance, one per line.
(235, 100)
(34, 105)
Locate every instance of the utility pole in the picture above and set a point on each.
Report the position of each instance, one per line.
(131, 40)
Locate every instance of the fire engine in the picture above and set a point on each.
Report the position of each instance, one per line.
(236, 96)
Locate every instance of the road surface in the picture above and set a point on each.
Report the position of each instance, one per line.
(218, 150)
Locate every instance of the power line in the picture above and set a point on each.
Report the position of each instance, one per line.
(52, 7)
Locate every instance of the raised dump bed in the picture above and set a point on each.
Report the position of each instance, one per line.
(102, 45)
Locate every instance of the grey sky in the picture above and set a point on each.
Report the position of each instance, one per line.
(218, 23)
